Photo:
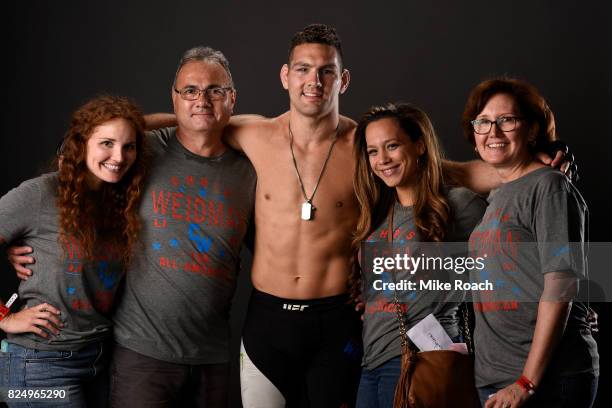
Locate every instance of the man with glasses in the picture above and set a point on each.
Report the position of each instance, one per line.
(171, 327)
(305, 214)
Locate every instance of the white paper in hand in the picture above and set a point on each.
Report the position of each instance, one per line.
(428, 335)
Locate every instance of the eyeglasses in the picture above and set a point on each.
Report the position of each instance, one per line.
(215, 93)
(503, 123)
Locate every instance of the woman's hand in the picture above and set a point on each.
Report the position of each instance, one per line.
(33, 320)
(512, 396)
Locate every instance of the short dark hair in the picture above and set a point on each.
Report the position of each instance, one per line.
(317, 34)
(531, 104)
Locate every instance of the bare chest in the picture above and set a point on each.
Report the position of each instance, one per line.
(285, 181)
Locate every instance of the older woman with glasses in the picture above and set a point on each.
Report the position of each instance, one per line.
(533, 342)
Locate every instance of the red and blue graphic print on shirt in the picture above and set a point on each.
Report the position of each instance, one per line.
(495, 241)
(99, 275)
(202, 211)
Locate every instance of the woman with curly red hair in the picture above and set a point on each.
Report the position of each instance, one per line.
(82, 224)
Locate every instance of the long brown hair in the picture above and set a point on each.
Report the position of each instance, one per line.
(431, 209)
(113, 210)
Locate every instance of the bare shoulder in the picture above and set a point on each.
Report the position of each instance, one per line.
(346, 130)
(348, 122)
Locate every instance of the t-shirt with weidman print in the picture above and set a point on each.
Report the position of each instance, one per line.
(195, 211)
(533, 225)
(82, 289)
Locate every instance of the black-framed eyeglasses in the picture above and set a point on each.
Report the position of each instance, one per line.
(503, 123)
(214, 93)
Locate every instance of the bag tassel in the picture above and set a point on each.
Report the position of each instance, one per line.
(402, 390)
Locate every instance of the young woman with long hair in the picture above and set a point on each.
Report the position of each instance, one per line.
(82, 224)
(399, 181)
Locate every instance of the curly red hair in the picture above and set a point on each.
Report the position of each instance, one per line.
(112, 211)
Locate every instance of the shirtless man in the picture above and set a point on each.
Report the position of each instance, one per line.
(301, 336)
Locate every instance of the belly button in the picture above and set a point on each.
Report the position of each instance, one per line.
(339, 204)
(267, 196)
(297, 278)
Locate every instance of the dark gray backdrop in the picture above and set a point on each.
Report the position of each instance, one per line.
(429, 53)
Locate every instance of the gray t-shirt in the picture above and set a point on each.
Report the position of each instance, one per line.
(82, 289)
(381, 340)
(526, 232)
(195, 211)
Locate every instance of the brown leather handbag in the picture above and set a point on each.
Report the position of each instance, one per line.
(434, 379)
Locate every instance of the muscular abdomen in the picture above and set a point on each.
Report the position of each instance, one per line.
(299, 259)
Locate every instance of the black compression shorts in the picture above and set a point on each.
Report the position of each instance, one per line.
(309, 349)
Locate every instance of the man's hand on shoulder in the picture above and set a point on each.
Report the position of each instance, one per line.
(19, 257)
(559, 156)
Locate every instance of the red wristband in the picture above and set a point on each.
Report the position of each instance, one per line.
(526, 384)
(4, 311)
